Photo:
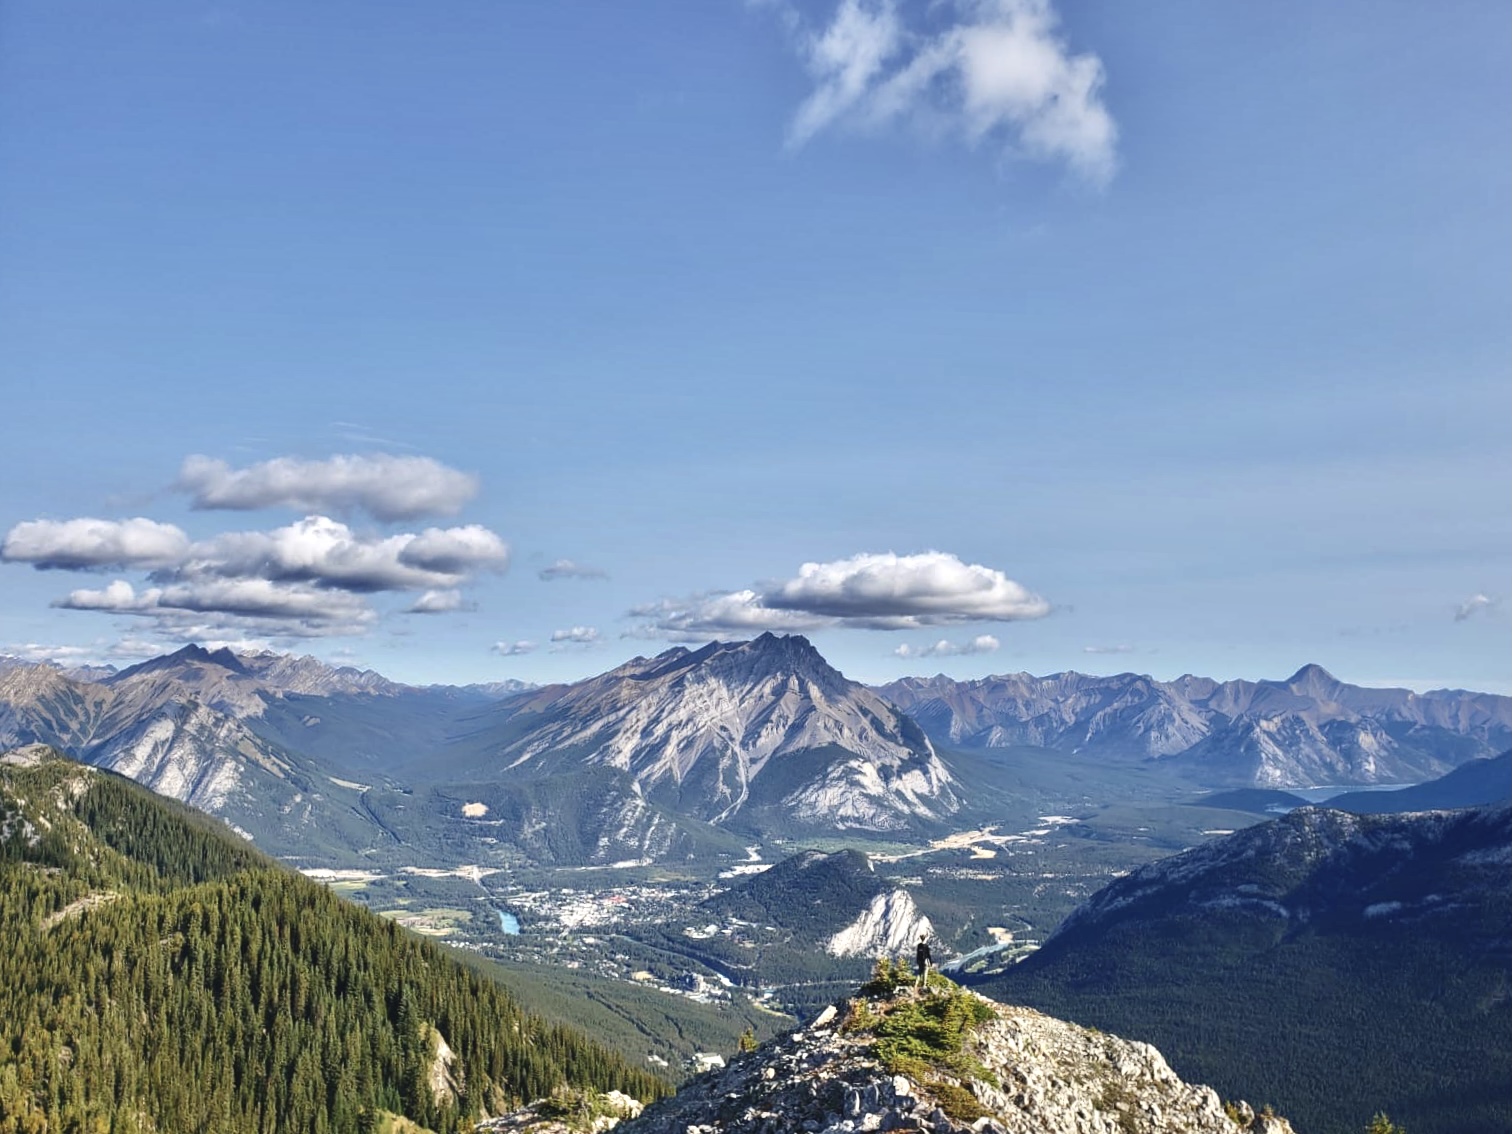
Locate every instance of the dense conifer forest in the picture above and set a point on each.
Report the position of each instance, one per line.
(158, 975)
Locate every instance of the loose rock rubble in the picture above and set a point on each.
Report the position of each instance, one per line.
(1052, 1077)
(540, 1117)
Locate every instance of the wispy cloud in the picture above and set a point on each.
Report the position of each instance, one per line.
(576, 635)
(567, 569)
(869, 591)
(203, 608)
(1118, 649)
(981, 644)
(715, 613)
(386, 487)
(514, 649)
(439, 602)
(1475, 604)
(983, 71)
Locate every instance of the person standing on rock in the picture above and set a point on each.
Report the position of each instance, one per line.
(921, 960)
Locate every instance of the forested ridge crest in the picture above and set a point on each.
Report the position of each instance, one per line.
(159, 975)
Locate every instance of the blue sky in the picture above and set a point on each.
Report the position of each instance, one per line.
(486, 340)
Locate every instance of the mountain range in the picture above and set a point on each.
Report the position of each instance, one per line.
(1309, 730)
(690, 751)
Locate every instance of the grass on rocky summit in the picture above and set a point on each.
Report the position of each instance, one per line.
(922, 1033)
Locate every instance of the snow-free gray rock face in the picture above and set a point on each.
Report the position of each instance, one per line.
(1049, 1076)
(152, 728)
(890, 926)
(735, 727)
(1310, 729)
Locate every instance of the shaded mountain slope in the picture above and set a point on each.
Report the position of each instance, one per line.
(1332, 964)
(1473, 784)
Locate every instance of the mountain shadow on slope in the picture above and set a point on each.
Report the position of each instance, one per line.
(1473, 784)
(1334, 965)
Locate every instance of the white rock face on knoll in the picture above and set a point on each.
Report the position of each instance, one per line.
(890, 926)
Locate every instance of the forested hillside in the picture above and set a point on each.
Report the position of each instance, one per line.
(159, 975)
(1330, 964)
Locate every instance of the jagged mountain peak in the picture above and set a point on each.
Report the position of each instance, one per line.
(1310, 674)
(239, 682)
(183, 659)
(788, 655)
(1312, 680)
(709, 729)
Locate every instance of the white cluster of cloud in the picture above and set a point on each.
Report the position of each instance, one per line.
(975, 69)
(1474, 605)
(86, 544)
(439, 602)
(386, 487)
(714, 613)
(981, 644)
(576, 635)
(567, 569)
(868, 591)
(306, 579)
(515, 649)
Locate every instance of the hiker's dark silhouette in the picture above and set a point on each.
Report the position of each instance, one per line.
(921, 960)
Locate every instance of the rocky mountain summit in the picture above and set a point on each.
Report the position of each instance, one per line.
(1308, 729)
(946, 1061)
(735, 728)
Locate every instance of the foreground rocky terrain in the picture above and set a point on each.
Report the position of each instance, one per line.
(946, 1061)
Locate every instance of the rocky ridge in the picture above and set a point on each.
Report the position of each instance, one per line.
(1031, 1073)
(1309, 729)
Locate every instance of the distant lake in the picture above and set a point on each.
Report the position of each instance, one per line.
(1323, 794)
(508, 922)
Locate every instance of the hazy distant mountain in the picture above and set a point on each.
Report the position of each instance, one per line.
(736, 733)
(1378, 947)
(158, 725)
(1310, 729)
(1473, 784)
(243, 683)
